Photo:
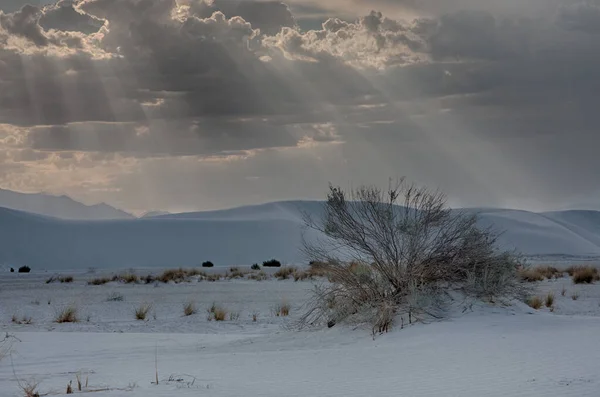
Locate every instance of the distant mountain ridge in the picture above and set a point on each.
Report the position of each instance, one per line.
(245, 235)
(62, 207)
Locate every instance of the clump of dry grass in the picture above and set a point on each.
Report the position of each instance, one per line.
(534, 302)
(585, 275)
(29, 389)
(141, 312)
(66, 279)
(22, 320)
(180, 275)
(285, 272)
(259, 276)
(234, 316)
(68, 314)
(217, 313)
(129, 278)
(189, 308)
(531, 275)
(563, 292)
(302, 275)
(213, 277)
(549, 299)
(575, 296)
(99, 281)
(255, 316)
(235, 272)
(282, 309)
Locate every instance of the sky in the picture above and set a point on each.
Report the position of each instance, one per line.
(196, 105)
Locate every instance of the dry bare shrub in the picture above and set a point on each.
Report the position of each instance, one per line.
(409, 251)
(284, 273)
(234, 316)
(235, 272)
(141, 312)
(100, 281)
(189, 308)
(68, 314)
(549, 299)
(115, 297)
(129, 278)
(300, 275)
(585, 275)
(254, 316)
(213, 277)
(534, 302)
(29, 388)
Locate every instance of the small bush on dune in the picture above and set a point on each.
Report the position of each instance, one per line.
(68, 314)
(189, 309)
(22, 320)
(255, 266)
(285, 272)
(175, 275)
(302, 275)
(585, 275)
(208, 264)
(575, 296)
(66, 279)
(24, 269)
(534, 302)
(235, 272)
(213, 277)
(142, 311)
(129, 278)
(531, 275)
(563, 292)
(272, 263)
(149, 279)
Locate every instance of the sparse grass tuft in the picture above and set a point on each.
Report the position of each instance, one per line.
(531, 275)
(549, 299)
(283, 309)
(29, 389)
(585, 275)
(142, 311)
(563, 292)
(220, 314)
(129, 278)
(534, 302)
(285, 272)
(575, 296)
(115, 297)
(255, 316)
(189, 308)
(235, 272)
(68, 314)
(255, 266)
(234, 316)
(66, 279)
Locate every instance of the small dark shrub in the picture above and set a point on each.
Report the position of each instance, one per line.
(24, 269)
(272, 263)
(12, 269)
(99, 281)
(585, 275)
(66, 279)
(208, 264)
(67, 315)
(256, 266)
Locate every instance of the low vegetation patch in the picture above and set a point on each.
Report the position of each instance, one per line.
(24, 269)
(534, 274)
(272, 263)
(260, 276)
(255, 266)
(141, 312)
(129, 278)
(534, 302)
(575, 296)
(208, 264)
(66, 279)
(99, 281)
(115, 297)
(21, 320)
(235, 272)
(585, 275)
(285, 272)
(68, 314)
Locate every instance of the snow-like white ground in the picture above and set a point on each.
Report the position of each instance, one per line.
(487, 351)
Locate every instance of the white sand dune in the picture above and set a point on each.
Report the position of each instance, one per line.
(243, 236)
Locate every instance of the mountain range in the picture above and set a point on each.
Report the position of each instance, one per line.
(59, 206)
(244, 235)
